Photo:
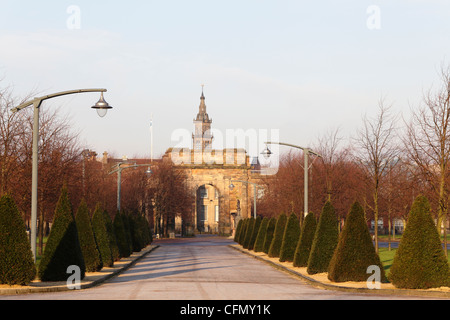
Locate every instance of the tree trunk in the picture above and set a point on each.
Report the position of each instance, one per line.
(375, 198)
(41, 228)
(441, 221)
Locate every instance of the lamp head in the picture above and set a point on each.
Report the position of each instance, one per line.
(102, 107)
(267, 153)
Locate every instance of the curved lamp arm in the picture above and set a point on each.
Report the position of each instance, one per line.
(37, 101)
(294, 146)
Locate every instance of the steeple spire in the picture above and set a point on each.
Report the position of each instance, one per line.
(202, 137)
(202, 114)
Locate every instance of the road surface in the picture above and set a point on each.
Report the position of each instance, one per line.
(202, 268)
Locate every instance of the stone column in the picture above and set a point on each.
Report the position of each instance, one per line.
(225, 208)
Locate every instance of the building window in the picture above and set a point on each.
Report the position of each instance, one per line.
(217, 213)
(203, 213)
(203, 193)
(216, 195)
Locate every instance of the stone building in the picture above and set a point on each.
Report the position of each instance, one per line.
(217, 207)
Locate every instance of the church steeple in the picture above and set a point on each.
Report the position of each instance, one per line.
(202, 137)
(202, 114)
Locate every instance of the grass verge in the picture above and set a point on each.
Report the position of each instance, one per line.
(387, 258)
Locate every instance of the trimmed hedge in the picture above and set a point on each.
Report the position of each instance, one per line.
(63, 246)
(238, 230)
(259, 243)
(420, 262)
(269, 235)
(139, 231)
(101, 234)
(88, 244)
(248, 233)
(304, 245)
(256, 226)
(275, 246)
(136, 239)
(122, 239)
(243, 231)
(290, 239)
(111, 236)
(16, 259)
(355, 251)
(126, 223)
(325, 241)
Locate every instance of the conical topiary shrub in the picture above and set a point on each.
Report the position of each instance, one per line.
(355, 251)
(269, 234)
(88, 244)
(248, 234)
(256, 226)
(325, 241)
(290, 239)
(136, 234)
(63, 246)
(122, 239)
(304, 245)
(259, 243)
(101, 235)
(143, 230)
(16, 259)
(275, 246)
(146, 233)
(420, 262)
(146, 229)
(111, 236)
(238, 230)
(126, 223)
(243, 231)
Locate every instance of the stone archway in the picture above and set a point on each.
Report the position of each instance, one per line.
(232, 204)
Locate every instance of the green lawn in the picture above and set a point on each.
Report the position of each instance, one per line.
(387, 258)
(38, 256)
(398, 237)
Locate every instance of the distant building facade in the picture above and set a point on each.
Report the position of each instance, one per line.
(217, 207)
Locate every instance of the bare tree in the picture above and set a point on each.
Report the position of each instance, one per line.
(11, 131)
(284, 191)
(328, 148)
(171, 197)
(376, 152)
(58, 156)
(428, 144)
(59, 162)
(336, 176)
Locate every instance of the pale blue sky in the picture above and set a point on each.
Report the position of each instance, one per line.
(303, 67)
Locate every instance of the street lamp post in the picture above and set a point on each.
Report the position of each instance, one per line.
(267, 153)
(119, 177)
(255, 186)
(101, 106)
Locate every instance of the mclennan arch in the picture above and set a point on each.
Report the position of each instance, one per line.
(217, 208)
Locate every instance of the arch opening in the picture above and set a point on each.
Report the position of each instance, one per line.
(208, 209)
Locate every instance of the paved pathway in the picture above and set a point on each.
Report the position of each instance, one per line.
(203, 268)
